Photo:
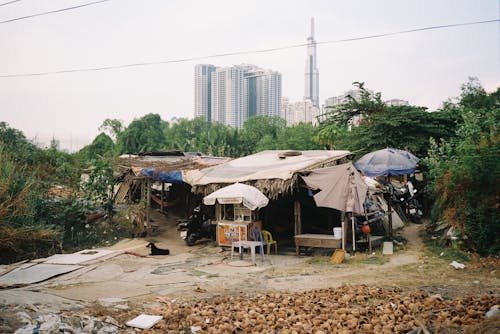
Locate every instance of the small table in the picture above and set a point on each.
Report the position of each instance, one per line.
(248, 244)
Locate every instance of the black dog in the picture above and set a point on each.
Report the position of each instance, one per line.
(157, 251)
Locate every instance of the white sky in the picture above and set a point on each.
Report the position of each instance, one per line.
(425, 68)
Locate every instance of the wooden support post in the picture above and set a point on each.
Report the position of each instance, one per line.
(148, 200)
(162, 196)
(389, 208)
(353, 233)
(298, 217)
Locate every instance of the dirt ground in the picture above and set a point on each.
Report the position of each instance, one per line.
(204, 271)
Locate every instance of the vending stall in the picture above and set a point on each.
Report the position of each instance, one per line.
(236, 212)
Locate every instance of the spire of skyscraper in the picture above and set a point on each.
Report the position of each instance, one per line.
(311, 80)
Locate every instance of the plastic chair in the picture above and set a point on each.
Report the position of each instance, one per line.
(268, 240)
(257, 236)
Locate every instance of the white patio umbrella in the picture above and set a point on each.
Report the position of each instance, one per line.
(238, 193)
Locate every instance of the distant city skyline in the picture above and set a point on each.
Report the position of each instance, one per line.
(425, 68)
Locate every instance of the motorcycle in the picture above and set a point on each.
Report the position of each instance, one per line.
(407, 198)
(196, 227)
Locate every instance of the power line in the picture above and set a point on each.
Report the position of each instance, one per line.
(8, 3)
(183, 60)
(52, 11)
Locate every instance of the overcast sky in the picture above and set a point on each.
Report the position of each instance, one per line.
(425, 68)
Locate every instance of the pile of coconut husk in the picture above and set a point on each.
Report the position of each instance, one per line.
(348, 309)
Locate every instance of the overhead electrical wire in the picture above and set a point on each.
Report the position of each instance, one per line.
(53, 11)
(9, 2)
(182, 60)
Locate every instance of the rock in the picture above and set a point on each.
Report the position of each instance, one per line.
(493, 312)
(28, 329)
(108, 330)
(49, 324)
(24, 318)
(66, 328)
(88, 325)
(6, 329)
(111, 321)
(121, 307)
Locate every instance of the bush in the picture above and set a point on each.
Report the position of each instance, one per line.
(466, 172)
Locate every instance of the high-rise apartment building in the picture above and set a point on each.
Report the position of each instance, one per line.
(262, 94)
(311, 80)
(227, 96)
(237, 93)
(203, 91)
(299, 112)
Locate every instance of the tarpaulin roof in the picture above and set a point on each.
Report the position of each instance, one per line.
(168, 168)
(271, 172)
(341, 186)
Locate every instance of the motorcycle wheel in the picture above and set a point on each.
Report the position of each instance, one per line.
(191, 239)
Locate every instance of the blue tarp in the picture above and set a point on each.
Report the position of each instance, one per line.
(168, 177)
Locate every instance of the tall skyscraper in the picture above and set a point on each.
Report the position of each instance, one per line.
(227, 96)
(237, 93)
(311, 83)
(262, 92)
(203, 91)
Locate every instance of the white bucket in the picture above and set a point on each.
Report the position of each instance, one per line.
(337, 232)
(388, 248)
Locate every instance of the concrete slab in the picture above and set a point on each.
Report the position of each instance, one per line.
(94, 291)
(80, 257)
(33, 273)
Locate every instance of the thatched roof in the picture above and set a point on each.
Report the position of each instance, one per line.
(272, 172)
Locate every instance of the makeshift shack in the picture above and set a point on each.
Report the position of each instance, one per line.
(276, 174)
(236, 212)
(156, 177)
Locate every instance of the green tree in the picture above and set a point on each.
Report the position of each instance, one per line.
(301, 136)
(143, 134)
(101, 146)
(254, 130)
(369, 124)
(112, 127)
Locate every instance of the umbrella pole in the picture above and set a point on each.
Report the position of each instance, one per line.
(353, 233)
(389, 208)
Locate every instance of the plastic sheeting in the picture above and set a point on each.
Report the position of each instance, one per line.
(167, 177)
(341, 186)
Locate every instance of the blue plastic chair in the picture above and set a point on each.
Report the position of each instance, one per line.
(257, 236)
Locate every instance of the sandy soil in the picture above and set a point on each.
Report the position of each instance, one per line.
(204, 270)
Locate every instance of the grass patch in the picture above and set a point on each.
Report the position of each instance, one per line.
(318, 258)
(363, 258)
(448, 253)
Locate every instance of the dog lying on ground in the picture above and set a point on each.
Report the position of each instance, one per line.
(157, 251)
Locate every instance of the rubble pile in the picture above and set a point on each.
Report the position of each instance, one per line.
(349, 309)
(60, 323)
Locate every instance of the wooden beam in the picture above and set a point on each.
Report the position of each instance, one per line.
(297, 217)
